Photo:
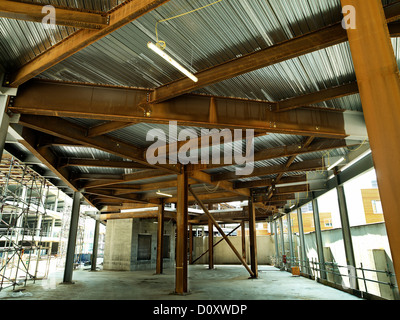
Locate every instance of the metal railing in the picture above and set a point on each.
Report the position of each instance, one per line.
(356, 275)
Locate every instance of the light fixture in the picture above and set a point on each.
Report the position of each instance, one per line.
(292, 206)
(165, 56)
(164, 194)
(336, 163)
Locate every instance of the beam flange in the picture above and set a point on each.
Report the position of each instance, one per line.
(122, 104)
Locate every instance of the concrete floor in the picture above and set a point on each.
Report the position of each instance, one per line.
(222, 283)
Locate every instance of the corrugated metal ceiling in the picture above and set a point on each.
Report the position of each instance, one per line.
(199, 40)
(90, 5)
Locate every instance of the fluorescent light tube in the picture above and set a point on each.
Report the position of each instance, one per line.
(165, 56)
(292, 206)
(164, 194)
(336, 163)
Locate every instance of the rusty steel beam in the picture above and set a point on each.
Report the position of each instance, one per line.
(286, 151)
(290, 161)
(124, 198)
(309, 165)
(203, 177)
(233, 216)
(121, 104)
(64, 129)
(280, 52)
(131, 177)
(31, 141)
(107, 127)
(134, 215)
(378, 79)
(64, 17)
(123, 15)
(269, 182)
(319, 96)
(75, 162)
(207, 197)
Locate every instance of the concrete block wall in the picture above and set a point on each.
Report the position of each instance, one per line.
(121, 244)
(118, 245)
(223, 254)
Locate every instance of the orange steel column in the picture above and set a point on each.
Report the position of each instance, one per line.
(379, 83)
(210, 241)
(160, 238)
(243, 232)
(253, 238)
(181, 285)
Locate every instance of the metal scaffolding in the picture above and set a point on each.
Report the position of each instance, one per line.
(23, 194)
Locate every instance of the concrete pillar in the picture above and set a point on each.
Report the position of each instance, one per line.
(334, 274)
(53, 223)
(38, 225)
(382, 262)
(253, 238)
(41, 205)
(56, 200)
(181, 281)
(303, 254)
(346, 233)
(73, 230)
(378, 80)
(276, 243)
(318, 235)
(289, 225)
(95, 245)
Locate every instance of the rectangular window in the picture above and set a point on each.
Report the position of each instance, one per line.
(377, 206)
(144, 247)
(328, 223)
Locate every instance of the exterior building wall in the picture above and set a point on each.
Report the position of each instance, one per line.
(372, 215)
